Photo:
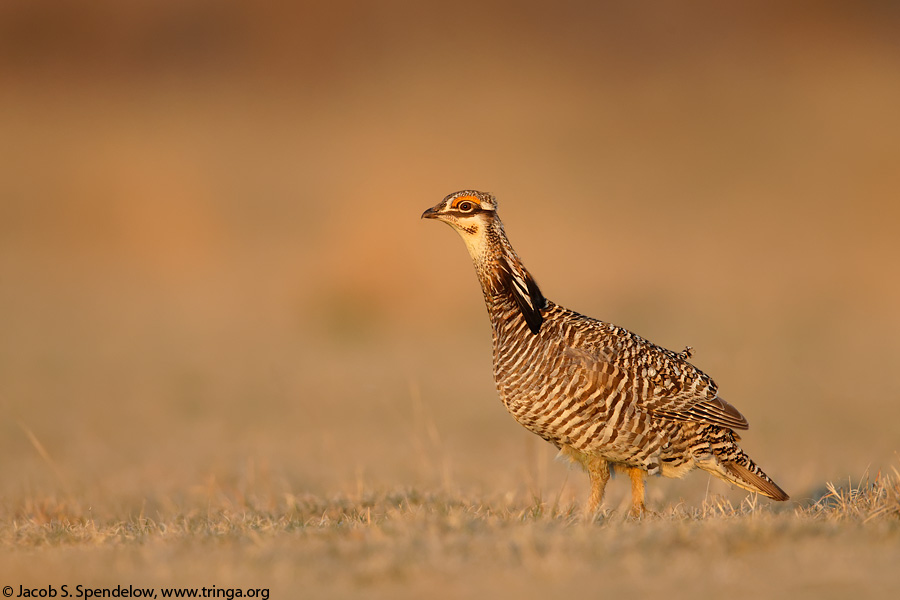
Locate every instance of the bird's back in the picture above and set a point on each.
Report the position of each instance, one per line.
(599, 388)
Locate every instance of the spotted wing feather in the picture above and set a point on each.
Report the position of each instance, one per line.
(677, 390)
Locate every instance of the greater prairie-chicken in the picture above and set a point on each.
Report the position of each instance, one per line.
(601, 394)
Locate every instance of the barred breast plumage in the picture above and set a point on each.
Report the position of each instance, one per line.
(603, 395)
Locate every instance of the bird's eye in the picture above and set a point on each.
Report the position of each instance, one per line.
(465, 206)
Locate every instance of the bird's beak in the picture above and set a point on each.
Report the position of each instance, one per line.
(431, 213)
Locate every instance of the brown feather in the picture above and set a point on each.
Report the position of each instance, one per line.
(715, 412)
(749, 480)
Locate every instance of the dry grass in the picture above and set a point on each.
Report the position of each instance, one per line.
(405, 541)
(865, 501)
(45, 521)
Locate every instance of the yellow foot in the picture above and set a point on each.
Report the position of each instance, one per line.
(637, 493)
(598, 470)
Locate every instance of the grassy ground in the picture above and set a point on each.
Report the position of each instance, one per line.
(408, 542)
(231, 354)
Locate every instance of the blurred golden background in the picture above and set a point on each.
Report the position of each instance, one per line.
(213, 272)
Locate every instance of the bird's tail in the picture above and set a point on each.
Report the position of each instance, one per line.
(744, 473)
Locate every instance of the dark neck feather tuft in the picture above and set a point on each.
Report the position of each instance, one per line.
(519, 283)
(503, 274)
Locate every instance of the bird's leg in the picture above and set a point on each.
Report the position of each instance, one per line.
(598, 470)
(637, 492)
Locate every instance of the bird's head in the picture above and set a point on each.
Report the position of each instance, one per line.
(472, 214)
(474, 217)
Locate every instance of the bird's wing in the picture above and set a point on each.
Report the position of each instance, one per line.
(715, 410)
(659, 381)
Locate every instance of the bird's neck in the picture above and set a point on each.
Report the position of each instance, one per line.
(509, 289)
